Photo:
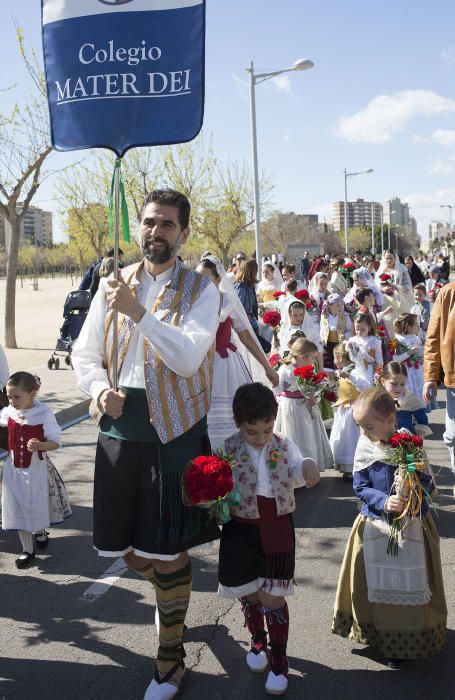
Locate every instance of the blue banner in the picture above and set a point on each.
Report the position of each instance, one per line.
(124, 73)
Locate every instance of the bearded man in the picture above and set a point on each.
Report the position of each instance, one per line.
(155, 423)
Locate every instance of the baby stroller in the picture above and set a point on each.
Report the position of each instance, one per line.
(75, 310)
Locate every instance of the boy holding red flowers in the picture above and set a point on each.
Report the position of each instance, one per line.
(257, 550)
(390, 590)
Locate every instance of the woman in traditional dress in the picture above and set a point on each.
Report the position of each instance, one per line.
(390, 264)
(270, 284)
(232, 367)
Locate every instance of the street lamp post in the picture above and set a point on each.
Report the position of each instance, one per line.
(255, 78)
(346, 175)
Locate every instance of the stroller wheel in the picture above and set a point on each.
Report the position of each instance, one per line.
(50, 362)
(56, 363)
(68, 360)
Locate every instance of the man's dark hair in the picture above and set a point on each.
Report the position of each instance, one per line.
(362, 294)
(253, 402)
(170, 198)
(110, 252)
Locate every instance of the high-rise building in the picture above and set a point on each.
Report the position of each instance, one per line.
(438, 229)
(36, 228)
(359, 213)
(396, 212)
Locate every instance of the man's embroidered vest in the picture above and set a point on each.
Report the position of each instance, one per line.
(325, 330)
(281, 477)
(175, 403)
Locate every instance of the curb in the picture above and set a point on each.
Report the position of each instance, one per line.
(72, 413)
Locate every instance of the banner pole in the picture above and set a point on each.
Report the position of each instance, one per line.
(116, 269)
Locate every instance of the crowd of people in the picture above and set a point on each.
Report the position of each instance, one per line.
(332, 366)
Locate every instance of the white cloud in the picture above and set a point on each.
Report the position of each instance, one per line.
(448, 55)
(385, 115)
(445, 137)
(419, 138)
(439, 166)
(427, 207)
(282, 82)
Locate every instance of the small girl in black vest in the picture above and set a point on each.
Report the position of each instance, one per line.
(257, 550)
(33, 494)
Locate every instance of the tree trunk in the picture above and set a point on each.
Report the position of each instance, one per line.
(11, 274)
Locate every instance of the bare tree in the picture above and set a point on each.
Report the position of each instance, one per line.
(24, 146)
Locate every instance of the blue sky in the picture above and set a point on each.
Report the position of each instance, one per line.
(381, 95)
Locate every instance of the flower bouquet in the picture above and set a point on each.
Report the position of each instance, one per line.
(273, 319)
(433, 293)
(386, 278)
(209, 483)
(309, 303)
(381, 331)
(407, 454)
(397, 348)
(275, 361)
(278, 294)
(315, 385)
(347, 270)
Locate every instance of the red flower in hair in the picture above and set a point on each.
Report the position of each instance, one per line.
(272, 318)
(302, 294)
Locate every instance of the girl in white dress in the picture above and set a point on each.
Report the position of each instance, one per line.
(345, 432)
(268, 286)
(295, 317)
(410, 351)
(336, 326)
(298, 418)
(319, 292)
(27, 498)
(365, 345)
(233, 364)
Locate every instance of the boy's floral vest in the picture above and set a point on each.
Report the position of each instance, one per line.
(175, 403)
(325, 330)
(246, 476)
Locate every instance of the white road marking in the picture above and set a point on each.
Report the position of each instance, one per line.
(102, 585)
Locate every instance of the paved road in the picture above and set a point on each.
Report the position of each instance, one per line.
(64, 637)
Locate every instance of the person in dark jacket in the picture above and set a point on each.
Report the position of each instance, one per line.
(415, 273)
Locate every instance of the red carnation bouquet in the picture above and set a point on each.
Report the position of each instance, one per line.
(381, 331)
(303, 296)
(407, 454)
(273, 319)
(209, 483)
(433, 293)
(349, 266)
(395, 347)
(275, 361)
(315, 385)
(277, 295)
(386, 278)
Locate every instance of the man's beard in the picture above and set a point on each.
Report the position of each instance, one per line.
(164, 254)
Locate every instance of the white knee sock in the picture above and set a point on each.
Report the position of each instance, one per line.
(26, 539)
